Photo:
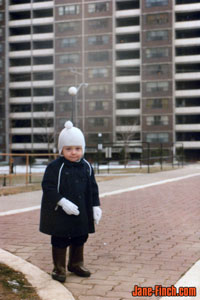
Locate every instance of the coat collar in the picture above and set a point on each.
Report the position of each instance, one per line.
(72, 164)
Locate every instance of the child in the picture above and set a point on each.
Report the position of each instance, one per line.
(70, 203)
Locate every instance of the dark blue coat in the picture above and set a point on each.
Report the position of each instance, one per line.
(76, 182)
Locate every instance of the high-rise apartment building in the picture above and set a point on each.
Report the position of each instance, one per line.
(140, 59)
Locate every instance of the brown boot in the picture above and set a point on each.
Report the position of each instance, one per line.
(59, 261)
(75, 263)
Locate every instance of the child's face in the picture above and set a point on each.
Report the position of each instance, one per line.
(72, 153)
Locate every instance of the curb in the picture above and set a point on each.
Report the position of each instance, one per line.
(189, 279)
(46, 287)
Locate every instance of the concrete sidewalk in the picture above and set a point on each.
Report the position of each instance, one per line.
(149, 234)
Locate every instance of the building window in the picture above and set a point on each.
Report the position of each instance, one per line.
(98, 56)
(157, 52)
(94, 139)
(98, 122)
(157, 35)
(98, 7)
(128, 121)
(162, 86)
(68, 42)
(1, 16)
(157, 19)
(69, 10)
(98, 105)
(157, 103)
(62, 91)
(98, 90)
(128, 88)
(68, 59)
(152, 3)
(64, 107)
(98, 24)
(67, 27)
(128, 104)
(98, 73)
(156, 70)
(157, 120)
(98, 40)
(160, 137)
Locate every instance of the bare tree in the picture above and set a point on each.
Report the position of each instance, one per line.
(127, 136)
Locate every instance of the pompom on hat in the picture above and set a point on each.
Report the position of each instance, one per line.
(70, 136)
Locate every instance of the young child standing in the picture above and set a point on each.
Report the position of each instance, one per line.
(70, 203)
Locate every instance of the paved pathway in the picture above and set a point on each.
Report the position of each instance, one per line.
(146, 237)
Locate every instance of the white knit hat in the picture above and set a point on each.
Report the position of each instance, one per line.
(70, 136)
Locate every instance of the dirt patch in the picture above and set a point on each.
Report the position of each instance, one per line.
(14, 286)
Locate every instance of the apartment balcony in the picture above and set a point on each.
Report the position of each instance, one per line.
(128, 62)
(24, 69)
(17, 23)
(187, 7)
(127, 79)
(134, 128)
(25, 53)
(187, 76)
(39, 130)
(187, 59)
(187, 93)
(20, 100)
(29, 53)
(28, 115)
(128, 112)
(191, 145)
(29, 84)
(29, 37)
(20, 115)
(187, 25)
(29, 22)
(127, 29)
(43, 52)
(21, 7)
(188, 42)
(43, 99)
(127, 46)
(20, 38)
(127, 13)
(187, 110)
(26, 100)
(187, 127)
(21, 130)
(127, 96)
(30, 146)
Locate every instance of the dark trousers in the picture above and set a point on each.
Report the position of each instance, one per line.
(63, 242)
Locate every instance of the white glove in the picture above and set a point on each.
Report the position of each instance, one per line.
(69, 207)
(97, 213)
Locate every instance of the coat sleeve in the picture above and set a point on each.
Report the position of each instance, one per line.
(95, 190)
(49, 186)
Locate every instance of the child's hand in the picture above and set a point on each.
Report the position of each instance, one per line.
(97, 213)
(69, 207)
